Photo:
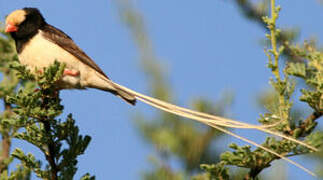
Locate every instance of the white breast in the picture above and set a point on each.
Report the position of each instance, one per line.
(40, 53)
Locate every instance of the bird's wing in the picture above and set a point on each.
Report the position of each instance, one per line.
(64, 41)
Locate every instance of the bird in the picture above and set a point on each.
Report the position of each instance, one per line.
(39, 45)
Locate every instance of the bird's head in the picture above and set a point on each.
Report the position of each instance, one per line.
(24, 22)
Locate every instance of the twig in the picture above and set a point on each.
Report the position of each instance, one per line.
(271, 24)
(6, 142)
(311, 118)
(307, 122)
(251, 12)
(253, 173)
(50, 155)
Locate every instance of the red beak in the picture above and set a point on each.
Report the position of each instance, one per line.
(11, 28)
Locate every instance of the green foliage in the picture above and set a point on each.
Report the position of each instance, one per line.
(32, 116)
(310, 69)
(8, 85)
(213, 172)
(36, 113)
(175, 139)
(312, 73)
(281, 111)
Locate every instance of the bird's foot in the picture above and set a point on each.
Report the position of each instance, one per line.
(69, 72)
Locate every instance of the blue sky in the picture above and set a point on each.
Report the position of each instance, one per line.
(206, 47)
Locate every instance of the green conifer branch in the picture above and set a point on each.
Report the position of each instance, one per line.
(33, 116)
(37, 112)
(255, 160)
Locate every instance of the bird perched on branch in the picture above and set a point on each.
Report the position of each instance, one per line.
(39, 44)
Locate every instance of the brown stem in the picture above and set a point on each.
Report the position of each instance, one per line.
(50, 155)
(253, 173)
(307, 122)
(6, 142)
(311, 118)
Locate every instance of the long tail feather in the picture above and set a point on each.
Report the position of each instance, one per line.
(216, 121)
